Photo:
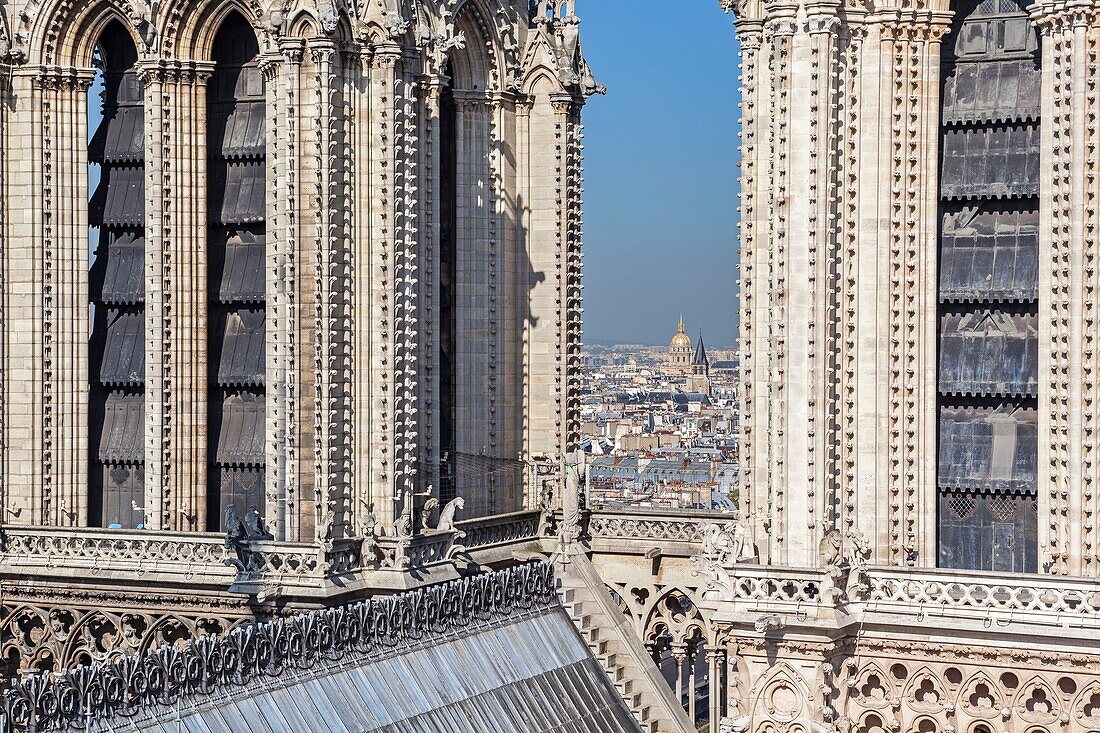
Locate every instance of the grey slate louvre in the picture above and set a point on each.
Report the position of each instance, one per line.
(238, 130)
(122, 360)
(116, 290)
(991, 162)
(123, 494)
(989, 254)
(120, 198)
(240, 267)
(240, 357)
(118, 274)
(241, 436)
(991, 30)
(121, 136)
(989, 352)
(240, 485)
(120, 440)
(988, 449)
(1000, 91)
(242, 182)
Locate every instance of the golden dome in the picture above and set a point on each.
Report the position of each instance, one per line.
(681, 340)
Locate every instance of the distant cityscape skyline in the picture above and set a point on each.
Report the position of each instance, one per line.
(660, 231)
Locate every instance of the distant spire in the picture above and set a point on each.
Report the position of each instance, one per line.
(680, 328)
(700, 353)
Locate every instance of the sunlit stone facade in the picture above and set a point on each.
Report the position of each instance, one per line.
(918, 283)
(303, 273)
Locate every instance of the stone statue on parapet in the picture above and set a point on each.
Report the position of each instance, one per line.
(572, 499)
(446, 521)
(726, 544)
(239, 530)
(844, 557)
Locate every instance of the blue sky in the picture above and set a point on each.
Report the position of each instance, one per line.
(660, 171)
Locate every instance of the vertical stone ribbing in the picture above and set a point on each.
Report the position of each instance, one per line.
(382, 91)
(176, 324)
(781, 27)
(290, 231)
(23, 295)
(65, 298)
(279, 502)
(430, 88)
(328, 369)
(7, 100)
(1067, 289)
(406, 272)
(850, 139)
(573, 299)
(748, 33)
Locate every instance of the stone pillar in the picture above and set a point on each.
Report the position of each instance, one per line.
(692, 658)
(330, 313)
(46, 310)
(1068, 251)
(679, 658)
(281, 500)
(716, 665)
(430, 88)
(176, 293)
(754, 283)
(386, 261)
(288, 482)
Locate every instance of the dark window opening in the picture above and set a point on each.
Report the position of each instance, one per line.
(988, 290)
(236, 283)
(448, 274)
(116, 287)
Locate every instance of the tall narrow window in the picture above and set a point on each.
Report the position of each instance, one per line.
(237, 283)
(117, 288)
(988, 289)
(448, 271)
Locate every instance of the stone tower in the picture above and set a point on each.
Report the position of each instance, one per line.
(918, 196)
(315, 276)
(699, 380)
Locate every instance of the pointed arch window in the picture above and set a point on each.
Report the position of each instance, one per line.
(116, 216)
(236, 284)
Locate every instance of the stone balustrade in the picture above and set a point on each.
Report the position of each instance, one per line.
(675, 532)
(250, 565)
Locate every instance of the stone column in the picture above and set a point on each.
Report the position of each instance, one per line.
(692, 658)
(716, 664)
(46, 310)
(1068, 250)
(331, 379)
(176, 293)
(430, 87)
(289, 510)
(754, 283)
(386, 269)
(679, 658)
